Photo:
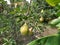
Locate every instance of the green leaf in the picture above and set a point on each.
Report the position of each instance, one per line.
(55, 21)
(58, 25)
(58, 13)
(49, 40)
(53, 2)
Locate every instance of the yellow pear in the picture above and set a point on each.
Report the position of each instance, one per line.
(41, 19)
(24, 29)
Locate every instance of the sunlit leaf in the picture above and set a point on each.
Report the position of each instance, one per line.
(53, 2)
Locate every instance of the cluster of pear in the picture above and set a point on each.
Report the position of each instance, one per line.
(42, 19)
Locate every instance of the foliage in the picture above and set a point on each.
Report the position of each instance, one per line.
(13, 16)
(8, 41)
(50, 40)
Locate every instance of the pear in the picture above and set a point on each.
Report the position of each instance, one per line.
(41, 19)
(30, 31)
(24, 29)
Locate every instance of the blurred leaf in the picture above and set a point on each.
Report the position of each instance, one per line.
(55, 21)
(58, 13)
(49, 40)
(53, 2)
(58, 25)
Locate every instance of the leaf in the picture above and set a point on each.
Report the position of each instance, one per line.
(53, 2)
(49, 40)
(55, 21)
(58, 13)
(58, 25)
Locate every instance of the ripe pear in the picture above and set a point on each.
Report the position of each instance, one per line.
(24, 29)
(41, 19)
